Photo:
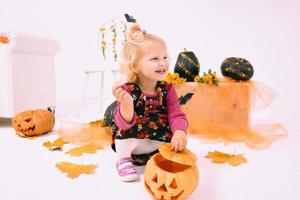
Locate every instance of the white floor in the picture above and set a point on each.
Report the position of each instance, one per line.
(27, 171)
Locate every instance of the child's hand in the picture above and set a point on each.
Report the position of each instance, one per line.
(126, 101)
(178, 141)
(122, 95)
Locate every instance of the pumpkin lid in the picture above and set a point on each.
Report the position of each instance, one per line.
(185, 157)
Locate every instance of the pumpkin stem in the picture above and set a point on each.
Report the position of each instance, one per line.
(51, 109)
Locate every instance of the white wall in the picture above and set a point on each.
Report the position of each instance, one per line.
(265, 32)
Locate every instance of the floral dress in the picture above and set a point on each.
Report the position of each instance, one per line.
(151, 118)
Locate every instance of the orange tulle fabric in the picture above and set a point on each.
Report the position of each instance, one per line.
(258, 136)
(215, 114)
(83, 134)
(222, 113)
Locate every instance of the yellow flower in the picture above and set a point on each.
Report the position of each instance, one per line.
(111, 27)
(197, 79)
(208, 77)
(103, 43)
(174, 78)
(216, 78)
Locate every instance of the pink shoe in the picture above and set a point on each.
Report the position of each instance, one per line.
(126, 169)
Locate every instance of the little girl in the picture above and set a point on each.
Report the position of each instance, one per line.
(148, 112)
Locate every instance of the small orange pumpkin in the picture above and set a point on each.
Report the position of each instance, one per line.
(171, 176)
(4, 39)
(33, 122)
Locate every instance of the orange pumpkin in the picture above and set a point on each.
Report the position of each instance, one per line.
(33, 122)
(4, 39)
(171, 176)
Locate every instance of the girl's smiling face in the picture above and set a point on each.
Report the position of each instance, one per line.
(154, 64)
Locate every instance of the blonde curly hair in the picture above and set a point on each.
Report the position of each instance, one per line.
(137, 41)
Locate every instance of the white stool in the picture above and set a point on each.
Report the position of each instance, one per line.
(100, 96)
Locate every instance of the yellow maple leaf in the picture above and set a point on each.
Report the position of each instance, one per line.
(217, 157)
(237, 160)
(220, 157)
(31, 138)
(90, 148)
(96, 123)
(56, 145)
(74, 170)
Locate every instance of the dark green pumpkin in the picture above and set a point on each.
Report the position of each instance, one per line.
(237, 68)
(187, 66)
(108, 118)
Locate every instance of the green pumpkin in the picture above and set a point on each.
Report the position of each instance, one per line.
(108, 118)
(187, 66)
(237, 68)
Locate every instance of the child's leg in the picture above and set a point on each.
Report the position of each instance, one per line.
(124, 164)
(124, 147)
(144, 151)
(147, 146)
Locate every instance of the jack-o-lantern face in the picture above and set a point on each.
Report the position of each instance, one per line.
(166, 179)
(33, 122)
(4, 39)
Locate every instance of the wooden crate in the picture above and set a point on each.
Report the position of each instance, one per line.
(226, 105)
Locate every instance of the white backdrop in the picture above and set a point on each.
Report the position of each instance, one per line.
(264, 32)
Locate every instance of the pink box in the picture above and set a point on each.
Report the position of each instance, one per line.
(27, 73)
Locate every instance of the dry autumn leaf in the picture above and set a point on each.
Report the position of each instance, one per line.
(96, 123)
(220, 157)
(236, 160)
(31, 138)
(74, 170)
(54, 146)
(78, 151)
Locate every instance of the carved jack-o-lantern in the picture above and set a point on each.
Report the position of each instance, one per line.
(187, 66)
(33, 122)
(4, 39)
(171, 176)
